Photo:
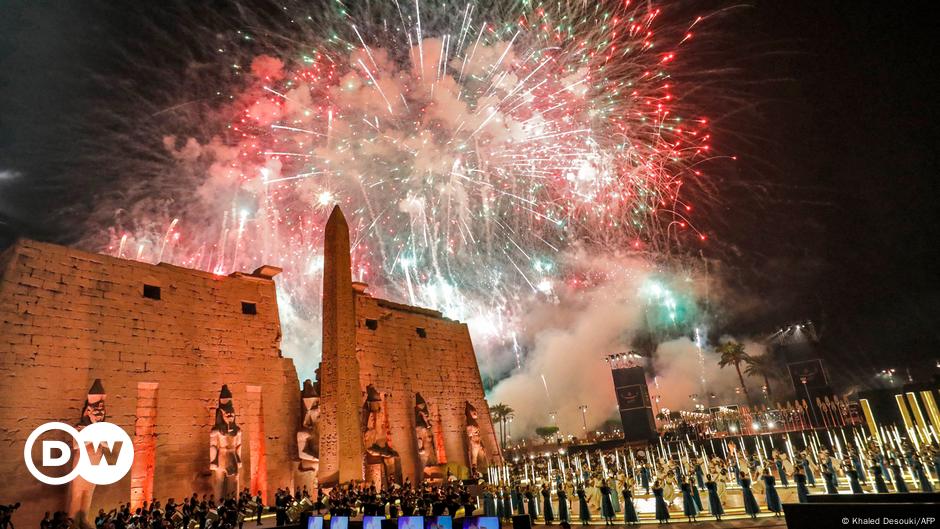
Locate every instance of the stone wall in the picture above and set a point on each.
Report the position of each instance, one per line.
(68, 317)
(413, 350)
(399, 350)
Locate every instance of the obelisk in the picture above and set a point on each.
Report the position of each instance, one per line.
(341, 453)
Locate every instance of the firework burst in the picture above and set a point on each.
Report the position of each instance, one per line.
(471, 145)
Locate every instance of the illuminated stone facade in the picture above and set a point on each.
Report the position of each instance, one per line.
(69, 317)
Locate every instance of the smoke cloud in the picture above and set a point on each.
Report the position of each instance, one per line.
(571, 332)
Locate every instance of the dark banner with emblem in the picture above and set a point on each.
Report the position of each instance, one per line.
(810, 371)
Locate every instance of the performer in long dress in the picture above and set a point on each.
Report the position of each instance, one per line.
(696, 497)
(897, 475)
(857, 464)
(688, 504)
(880, 486)
(563, 515)
(829, 479)
(645, 477)
(750, 502)
(517, 500)
(922, 477)
(771, 498)
(507, 503)
(489, 503)
(781, 472)
(548, 513)
(807, 468)
(714, 500)
(629, 510)
(699, 474)
(662, 510)
(852, 474)
(532, 505)
(607, 506)
(584, 512)
(802, 493)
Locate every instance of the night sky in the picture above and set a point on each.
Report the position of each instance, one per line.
(829, 214)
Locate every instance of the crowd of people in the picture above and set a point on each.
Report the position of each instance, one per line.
(687, 483)
(750, 481)
(192, 513)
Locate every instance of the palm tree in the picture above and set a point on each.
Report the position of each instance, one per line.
(761, 366)
(499, 413)
(732, 353)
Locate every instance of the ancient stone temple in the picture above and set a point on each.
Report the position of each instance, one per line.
(401, 395)
(186, 362)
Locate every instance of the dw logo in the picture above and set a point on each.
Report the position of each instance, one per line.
(107, 456)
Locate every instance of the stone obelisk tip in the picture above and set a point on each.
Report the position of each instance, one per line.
(336, 218)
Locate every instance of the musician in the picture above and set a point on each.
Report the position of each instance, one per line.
(259, 508)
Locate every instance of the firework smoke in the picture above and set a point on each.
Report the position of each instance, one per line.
(491, 159)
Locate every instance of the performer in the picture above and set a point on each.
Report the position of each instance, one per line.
(750, 502)
(880, 486)
(645, 477)
(699, 475)
(802, 493)
(607, 506)
(614, 496)
(507, 503)
(897, 475)
(778, 462)
(563, 515)
(629, 510)
(517, 500)
(829, 479)
(696, 497)
(584, 513)
(857, 464)
(922, 477)
(770, 493)
(714, 500)
(852, 474)
(489, 503)
(548, 512)
(662, 510)
(689, 508)
(807, 469)
(533, 509)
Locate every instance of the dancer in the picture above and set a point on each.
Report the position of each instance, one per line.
(750, 502)
(662, 510)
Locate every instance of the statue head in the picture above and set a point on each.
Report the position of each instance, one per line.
(373, 399)
(422, 414)
(471, 414)
(225, 412)
(94, 411)
(310, 398)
